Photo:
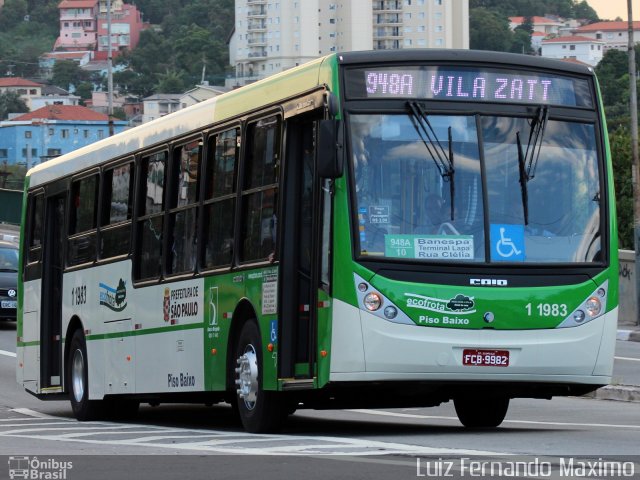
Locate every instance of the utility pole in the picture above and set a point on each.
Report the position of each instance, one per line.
(110, 69)
(633, 110)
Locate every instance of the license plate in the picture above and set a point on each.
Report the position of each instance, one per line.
(485, 358)
(9, 304)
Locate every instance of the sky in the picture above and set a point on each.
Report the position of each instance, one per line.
(610, 9)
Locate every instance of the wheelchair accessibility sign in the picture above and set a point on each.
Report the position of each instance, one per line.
(507, 242)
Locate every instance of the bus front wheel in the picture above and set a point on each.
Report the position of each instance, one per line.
(78, 375)
(260, 411)
(481, 413)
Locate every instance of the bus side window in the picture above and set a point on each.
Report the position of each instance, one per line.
(219, 205)
(82, 221)
(149, 222)
(117, 197)
(35, 222)
(260, 191)
(183, 202)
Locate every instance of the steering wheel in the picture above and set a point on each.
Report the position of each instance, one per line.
(447, 228)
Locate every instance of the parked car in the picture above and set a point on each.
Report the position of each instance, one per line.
(8, 280)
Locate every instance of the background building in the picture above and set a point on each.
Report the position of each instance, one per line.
(51, 131)
(27, 89)
(613, 34)
(77, 25)
(159, 105)
(583, 49)
(273, 35)
(126, 25)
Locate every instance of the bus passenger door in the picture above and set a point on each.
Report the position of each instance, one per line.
(299, 259)
(51, 312)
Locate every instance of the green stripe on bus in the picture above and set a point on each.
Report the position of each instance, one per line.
(149, 331)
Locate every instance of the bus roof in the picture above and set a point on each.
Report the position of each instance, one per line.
(484, 58)
(260, 94)
(251, 97)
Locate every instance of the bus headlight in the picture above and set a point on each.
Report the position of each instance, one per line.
(593, 306)
(391, 312)
(372, 301)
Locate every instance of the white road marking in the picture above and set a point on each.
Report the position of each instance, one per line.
(212, 441)
(528, 422)
(32, 413)
(628, 359)
(7, 354)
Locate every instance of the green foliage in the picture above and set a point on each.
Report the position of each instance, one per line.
(84, 91)
(489, 30)
(613, 77)
(13, 12)
(67, 73)
(10, 102)
(171, 82)
(620, 141)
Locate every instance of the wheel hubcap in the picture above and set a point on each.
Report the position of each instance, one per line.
(247, 377)
(77, 375)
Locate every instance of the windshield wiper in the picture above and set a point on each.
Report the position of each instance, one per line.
(442, 158)
(528, 160)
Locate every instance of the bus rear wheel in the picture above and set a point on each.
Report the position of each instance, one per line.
(481, 413)
(260, 411)
(78, 375)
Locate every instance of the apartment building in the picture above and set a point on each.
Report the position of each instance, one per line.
(77, 25)
(574, 47)
(126, 25)
(271, 36)
(615, 35)
(420, 24)
(83, 27)
(51, 131)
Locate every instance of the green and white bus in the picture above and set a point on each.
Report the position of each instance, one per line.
(370, 229)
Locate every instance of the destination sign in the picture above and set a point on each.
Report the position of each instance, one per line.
(468, 84)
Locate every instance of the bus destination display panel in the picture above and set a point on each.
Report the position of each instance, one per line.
(468, 84)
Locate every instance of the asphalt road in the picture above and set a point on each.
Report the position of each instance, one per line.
(173, 441)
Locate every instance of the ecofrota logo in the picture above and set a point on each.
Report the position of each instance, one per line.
(37, 469)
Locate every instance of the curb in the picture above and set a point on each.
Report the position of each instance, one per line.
(628, 335)
(621, 393)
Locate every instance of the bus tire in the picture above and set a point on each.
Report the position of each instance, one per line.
(260, 411)
(481, 413)
(78, 375)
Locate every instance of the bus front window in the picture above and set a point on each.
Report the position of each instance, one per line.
(561, 196)
(406, 206)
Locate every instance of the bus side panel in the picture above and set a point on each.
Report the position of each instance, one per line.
(168, 332)
(28, 352)
(347, 344)
(221, 298)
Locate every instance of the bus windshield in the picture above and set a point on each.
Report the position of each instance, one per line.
(422, 198)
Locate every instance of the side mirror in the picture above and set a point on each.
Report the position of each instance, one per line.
(329, 151)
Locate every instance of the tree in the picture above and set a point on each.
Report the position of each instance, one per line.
(13, 12)
(489, 30)
(170, 82)
(10, 102)
(67, 72)
(84, 90)
(521, 42)
(584, 10)
(620, 142)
